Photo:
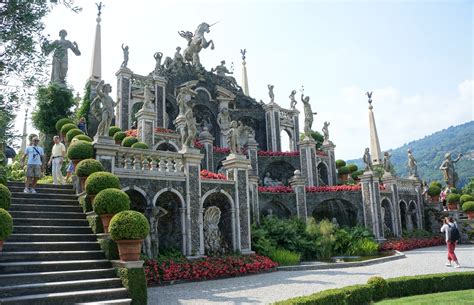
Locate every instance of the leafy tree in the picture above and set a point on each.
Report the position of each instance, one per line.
(84, 108)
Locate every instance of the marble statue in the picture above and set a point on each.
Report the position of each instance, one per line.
(267, 180)
(387, 164)
(367, 160)
(212, 233)
(184, 97)
(105, 113)
(326, 132)
(412, 165)
(196, 42)
(233, 138)
(449, 172)
(293, 101)
(60, 56)
(148, 97)
(151, 242)
(223, 120)
(178, 60)
(125, 56)
(308, 116)
(270, 93)
(190, 129)
(158, 56)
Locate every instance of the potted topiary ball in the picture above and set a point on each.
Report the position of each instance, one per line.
(113, 130)
(72, 133)
(61, 122)
(5, 197)
(109, 202)
(80, 150)
(99, 181)
(6, 226)
(140, 145)
(66, 128)
(352, 168)
(83, 137)
(433, 192)
(468, 208)
(128, 229)
(340, 163)
(343, 173)
(465, 198)
(87, 167)
(129, 141)
(119, 136)
(453, 200)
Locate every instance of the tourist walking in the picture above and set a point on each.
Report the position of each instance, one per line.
(34, 166)
(56, 160)
(450, 229)
(69, 171)
(82, 125)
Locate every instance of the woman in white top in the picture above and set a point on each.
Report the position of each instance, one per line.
(447, 223)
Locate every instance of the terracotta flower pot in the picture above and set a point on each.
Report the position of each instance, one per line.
(1, 245)
(470, 215)
(435, 199)
(105, 221)
(129, 250)
(118, 142)
(452, 206)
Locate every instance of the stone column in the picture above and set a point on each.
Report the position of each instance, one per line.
(272, 118)
(207, 140)
(194, 234)
(254, 203)
(390, 182)
(146, 126)
(105, 152)
(236, 166)
(297, 182)
(124, 87)
(328, 147)
(419, 207)
(252, 150)
(309, 169)
(371, 204)
(160, 101)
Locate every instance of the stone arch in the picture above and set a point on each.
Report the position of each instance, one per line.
(388, 217)
(206, 91)
(275, 208)
(138, 198)
(166, 145)
(286, 139)
(134, 107)
(279, 171)
(403, 214)
(323, 172)
(413, 214)
(345, 212)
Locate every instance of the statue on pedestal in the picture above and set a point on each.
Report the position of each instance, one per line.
(223, 120)
(308, 116)
(233, 138)
(60, 57)
(412, 165)
(105, 113)
(184, 97)
(293, 101)
(387, 164)
(148, 97)
(449, 172)
(190, 131)
(270, 93)
(326, 132)
(367, 160)
(158, 56)
(125, 56)
(196, 42)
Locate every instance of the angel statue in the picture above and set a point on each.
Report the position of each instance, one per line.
(125, 56)
(293, 101)
(105, 113)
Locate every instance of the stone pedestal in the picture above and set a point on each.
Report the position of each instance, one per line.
(390, 182)
(160, 101)
(207, 140)
(254, 203)
(309, 169)
(124, 87)
(371, 204)
(272, 119)
(329, 147)
(297, 182)
(252, 150)
(236, 166)
(146, 126)
(105, 152)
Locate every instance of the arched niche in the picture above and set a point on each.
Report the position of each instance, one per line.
(345, 212)
(323, 173)
(403, 214)
(279, 171)
(137, 197)
(275, 209)
(387, 217)
(170, 224)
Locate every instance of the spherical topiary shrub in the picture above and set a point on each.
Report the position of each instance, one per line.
(355, 175)
(352, 168)
(67, 127)
(129, 141)
(434, 190)
(60, 123)
(465, 198)
(83, 137)
(5, 197)
(80, 150)
(87, 167)
(453, 198)
(111, 201)
(454, 190)
(99, 181)
(340, 163)
(379, 287)
(140, 145)
(436, 183)
(72, 133)
(129, 225)
(343, 170)
(113, 130)
(119, 136)
(468, 206)
(6, 224)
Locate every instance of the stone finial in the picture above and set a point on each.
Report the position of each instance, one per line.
(297, 173)
(369, 95)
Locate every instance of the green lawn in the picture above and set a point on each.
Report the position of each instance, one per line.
(461, 297)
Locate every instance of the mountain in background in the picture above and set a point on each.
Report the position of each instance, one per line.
(429, 153)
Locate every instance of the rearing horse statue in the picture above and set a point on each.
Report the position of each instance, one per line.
(196, 42)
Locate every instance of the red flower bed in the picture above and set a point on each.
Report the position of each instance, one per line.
(205, 268)
(221, 150)
(275, 189)
(205, 174)
(269, 153)
(132, 133)
(335, 188)
(198, 144)
(321, 153)
(405, 244)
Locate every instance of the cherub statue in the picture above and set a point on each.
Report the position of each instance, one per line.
(270, 92)
(105, 113)
(367, 160)
(293, 101)
(60, 57)
(125, 56)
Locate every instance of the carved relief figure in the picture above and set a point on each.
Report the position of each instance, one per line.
(308, 115)
(196, 42)
(223, 120)
(367, 160)
(449, 172)
(412, 165)
(213, 243)
(125, 56)
(60, 56)
(293, 101)
(105, 113)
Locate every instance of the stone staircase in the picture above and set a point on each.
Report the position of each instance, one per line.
(53, 257)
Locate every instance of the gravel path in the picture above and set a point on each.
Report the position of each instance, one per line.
(270, 287)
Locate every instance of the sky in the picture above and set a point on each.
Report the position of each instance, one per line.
(416, 56)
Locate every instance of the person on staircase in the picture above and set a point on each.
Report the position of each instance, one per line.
(56, 160)
(34, 166)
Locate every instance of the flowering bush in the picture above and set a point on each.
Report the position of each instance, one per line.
(167, 270)
(335, 188)
(275, 189)
(269, 153)
(405, 244)
(221, 150)
(205, 174)
(132, 133)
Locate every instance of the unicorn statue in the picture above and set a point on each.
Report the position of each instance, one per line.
(196, 42)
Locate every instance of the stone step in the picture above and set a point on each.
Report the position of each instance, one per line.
(50, 246)
(41, 201)
(40, 186)
(45, 207)
(117, 302)
(26, 229)
(33, 267)
(47, 214)
(71, 297)
(53, 194)
(50, 237)
(29, 256)
(65, 286)
(42, 190)
(49, 222)
(54, 276)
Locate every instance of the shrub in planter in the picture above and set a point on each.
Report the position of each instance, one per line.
(129, 141)
(468, 208)
(72, 133)
(128, 229)
(436, 183)
(87, 167)
(61, 122)
(99, 181)
(465, 198)
(67, 127)
(355, 175)
(340, 163)
(343, 170)
(80, 150)
(352, 168)
(113, 130)
(379, 287)
(434, 190)
(109, 202)
(6, 226)
(5, 197)
(453, 198)
(83, 137)
(140, 145)
(454, 190)
(119, 136)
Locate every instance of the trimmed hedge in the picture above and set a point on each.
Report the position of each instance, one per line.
(95, 223)
(119, 136)
(140, 145)
(434, 190)
(87, 167)
(135, 282)
(110, 248)
(453, 198)
(5, 197)
(83, 137)
(111, 201)
(129, 141)
(113, 130)
(61, 122)
(72, 133)
(99, 181)
(67, 127)
(340, 163)
(468, 206)
(379, 287)
(352, 168)
(6, 224)
(465, 198)
(85, 203)
(128, 225)
(80, 150)
(436, 183)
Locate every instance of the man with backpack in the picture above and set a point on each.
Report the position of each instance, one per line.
(450, 228)
(34, 166)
